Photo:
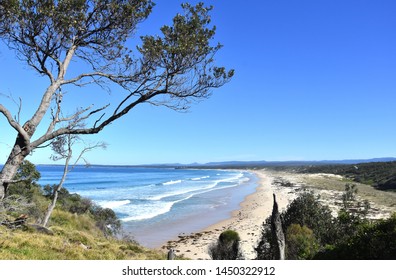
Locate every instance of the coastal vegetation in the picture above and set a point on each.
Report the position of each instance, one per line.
(311, 232)
(226, 247)
(78, 228)
(380, 175)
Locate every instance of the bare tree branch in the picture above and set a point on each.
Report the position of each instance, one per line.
(14, 123)
(173, 69)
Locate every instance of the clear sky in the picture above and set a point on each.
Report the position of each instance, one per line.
(314, 80)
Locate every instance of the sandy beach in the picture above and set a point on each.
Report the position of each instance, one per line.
(247, 221)
(255, 208)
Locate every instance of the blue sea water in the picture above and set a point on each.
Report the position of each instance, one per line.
(157, 204)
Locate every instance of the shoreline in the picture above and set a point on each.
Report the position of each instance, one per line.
(247, 221)
(257, 207)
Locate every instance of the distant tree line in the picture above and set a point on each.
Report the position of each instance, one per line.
(380, 175)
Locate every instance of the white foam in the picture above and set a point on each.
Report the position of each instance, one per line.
(199, 178)
(114, 204)
(150, 213)
(172, 182)
(153, 211)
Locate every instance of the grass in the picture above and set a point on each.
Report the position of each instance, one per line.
(380, 197)
(75, 237)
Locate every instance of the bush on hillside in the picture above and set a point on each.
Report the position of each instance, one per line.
(306, 210)
(226, 247)
(26, 196)
(373, 241)
(106, 219)
(301, 243)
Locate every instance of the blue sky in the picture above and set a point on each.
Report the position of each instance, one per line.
(314, 80)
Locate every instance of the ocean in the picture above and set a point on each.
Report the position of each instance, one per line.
(158, 204)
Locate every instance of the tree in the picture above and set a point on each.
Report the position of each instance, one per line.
(50, 36)
(24, 194)
(349, 196)
(306, 210)
(62, 147)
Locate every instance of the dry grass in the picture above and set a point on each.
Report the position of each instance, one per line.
(331, 187)
(75, 238)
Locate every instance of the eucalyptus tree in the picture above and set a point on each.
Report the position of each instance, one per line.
(53, 37)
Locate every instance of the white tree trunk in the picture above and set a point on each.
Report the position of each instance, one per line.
(52, 205)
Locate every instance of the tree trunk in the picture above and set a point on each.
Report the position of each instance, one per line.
(277, 232)
(52, 205)
(22, 146)
(10, 168)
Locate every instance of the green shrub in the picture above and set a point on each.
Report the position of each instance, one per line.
(106, 219)
(305, 211)
(301, 243)
(226, 247)
(373, 241)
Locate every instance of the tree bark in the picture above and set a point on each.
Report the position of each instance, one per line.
(10, 168)
(23, 145)
(277, 232)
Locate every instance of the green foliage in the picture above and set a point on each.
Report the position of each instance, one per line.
(349, 195)
(266, 248)
(306, 210)
(311, 232)
(73, 203)
(27, 172)
(372, 241)
(184, 51)
(226, 247)
(229, 236)
(75, 237)
(27, 192)
(350, 204)
(381, 175)
(25, 181)
(27, 197)
(91, 23)
(106, 219)
(301, 243)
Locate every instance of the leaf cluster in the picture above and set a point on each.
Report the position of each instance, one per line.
(43, 31)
